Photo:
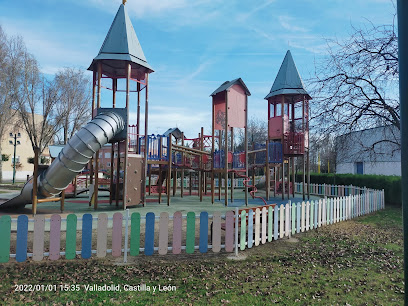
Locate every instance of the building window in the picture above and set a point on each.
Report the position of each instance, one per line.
(359, 168)
(115, 155)
(108, 164)
(107, 155)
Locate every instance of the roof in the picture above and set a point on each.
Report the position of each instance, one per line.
(121, 45)
(174, 131)
(288, 81)
(228, 84)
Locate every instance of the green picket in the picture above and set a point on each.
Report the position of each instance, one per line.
(190, 239)
(70, 243)
(5, 230)
(135, 234)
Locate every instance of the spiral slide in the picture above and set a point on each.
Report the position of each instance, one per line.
(72, 159)
(246, 184)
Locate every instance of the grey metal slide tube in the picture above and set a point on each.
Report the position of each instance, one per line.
(73, 158)
(77, 153)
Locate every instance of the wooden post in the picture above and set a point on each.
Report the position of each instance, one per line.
(149, 169)
(232, 173)
(175, 177)
(293, 177)
(75, 186)
(138, 118)
(246, 147)
(226, 150)
(283, 146)
(160, 183)
(114, 87)
(267, 173)
(126, 142)
(219, 184)
(62, 201)
(169, 154)
(289, 162)
(96, 186)
(200, 171)
(146, 131)
(117, 175)
(182, 167)
(35, 181)
(303, 156)
(212, 152)
(274, 181)
(191, 182)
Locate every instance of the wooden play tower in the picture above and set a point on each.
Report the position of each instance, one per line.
(288, 125)
(122, 57)
(229, 111)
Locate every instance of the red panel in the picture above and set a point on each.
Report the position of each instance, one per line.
(236, 107)
(219, 111)
(294, 144)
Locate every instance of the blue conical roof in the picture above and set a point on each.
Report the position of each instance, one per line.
(288, 81)
(121, 45)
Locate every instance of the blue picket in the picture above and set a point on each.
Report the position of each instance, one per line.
(86, 236)
(149, 234)
(203, 232)
(22, 231)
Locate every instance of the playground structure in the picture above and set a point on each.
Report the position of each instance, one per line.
(142, 156)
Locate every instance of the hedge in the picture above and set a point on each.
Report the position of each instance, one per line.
(390, 183)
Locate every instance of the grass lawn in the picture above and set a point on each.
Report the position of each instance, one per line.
(357, 262)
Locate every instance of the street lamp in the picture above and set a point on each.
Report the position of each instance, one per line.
(15, 143)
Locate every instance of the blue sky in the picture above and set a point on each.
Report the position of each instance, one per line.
(193, 46)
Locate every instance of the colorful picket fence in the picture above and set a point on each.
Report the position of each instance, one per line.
(203, 232)
(327, 190)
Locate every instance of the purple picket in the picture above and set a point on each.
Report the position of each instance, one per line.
(55, 234)
(117, 234)
(229, 231)
(177, 222)
(38, 242)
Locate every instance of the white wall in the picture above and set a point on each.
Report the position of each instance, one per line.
(383, 168)
(20, 175)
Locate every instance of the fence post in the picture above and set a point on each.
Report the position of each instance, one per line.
(236, 231)
(126, 236)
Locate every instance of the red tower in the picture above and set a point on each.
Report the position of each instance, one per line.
(288, 120)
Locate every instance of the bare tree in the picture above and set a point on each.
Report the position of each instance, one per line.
(356, 87)
(36, 101)
(73, 109)
(10, 53)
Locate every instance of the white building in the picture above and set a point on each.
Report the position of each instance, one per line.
(371, 151)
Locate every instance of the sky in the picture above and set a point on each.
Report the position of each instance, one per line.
(192, 45)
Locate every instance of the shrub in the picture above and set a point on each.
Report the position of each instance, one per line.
(390, 183)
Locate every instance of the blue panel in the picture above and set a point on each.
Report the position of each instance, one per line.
(298, 206)
(149, 235)
(250, 228)
(86, 236)
(275, 222)
(203, 232)
(22, 229)
(275, 152)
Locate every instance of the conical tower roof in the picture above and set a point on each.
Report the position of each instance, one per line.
(120, 46)
(288, 81)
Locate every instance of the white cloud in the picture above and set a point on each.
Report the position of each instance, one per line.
(244, 16)
(287, 23)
